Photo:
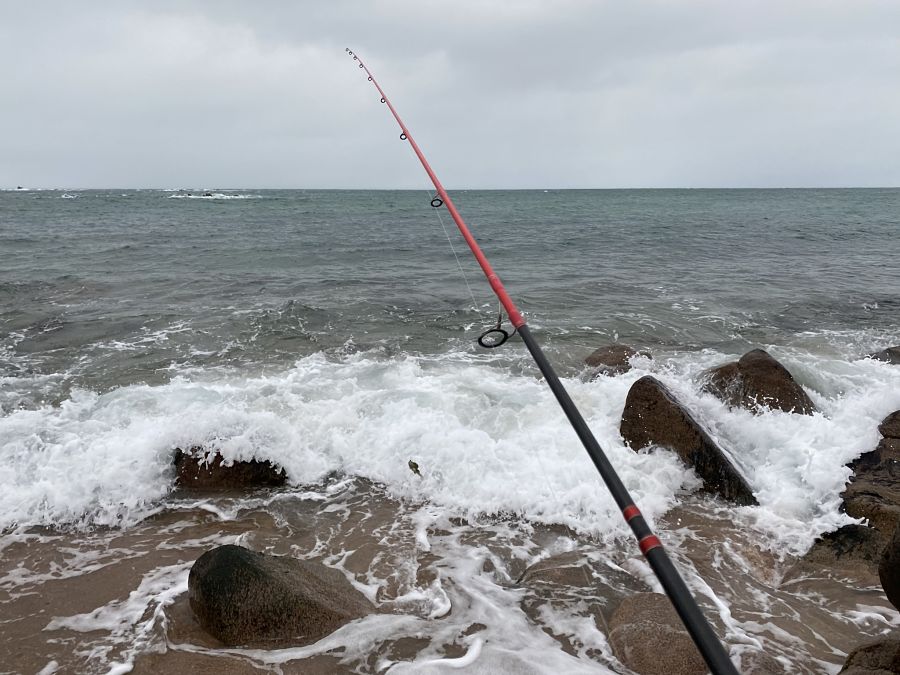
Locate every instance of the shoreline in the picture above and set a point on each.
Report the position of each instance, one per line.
(122, 594)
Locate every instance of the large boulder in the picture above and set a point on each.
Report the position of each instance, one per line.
(653, 416)
(199, 469)
(890, 425)
(889, 569)
(612, 359)
(880, 656)
(246, 598)
(874, 489)
(889, 355)
(757, 381)
(646, 625)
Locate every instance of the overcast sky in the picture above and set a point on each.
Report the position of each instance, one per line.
(498, 93)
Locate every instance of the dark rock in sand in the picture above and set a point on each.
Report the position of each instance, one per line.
(202, 470)
(874, 489)
(653, 416)
(889, 355)
(889, 569)
(876, 657)
(245, 598)
(890, 425)
(646, 627)
(612, 359)
(758, 381)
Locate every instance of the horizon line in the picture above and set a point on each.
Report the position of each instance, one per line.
(21, 188)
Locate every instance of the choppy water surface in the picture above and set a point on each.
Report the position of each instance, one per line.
(332, 332)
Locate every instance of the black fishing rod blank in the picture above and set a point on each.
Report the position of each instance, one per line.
(697, 626)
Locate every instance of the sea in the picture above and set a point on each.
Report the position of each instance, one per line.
(333, 333)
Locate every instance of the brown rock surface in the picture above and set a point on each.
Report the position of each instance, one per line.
(757, 381)
(246, 598)
(575, 579)
(644, 627)
(564, 569)
(890, 425)
(653, 416)
(198, 469)
(847, 548)
(874, 489)
(889, 569)
(612, 359)
(876, 657)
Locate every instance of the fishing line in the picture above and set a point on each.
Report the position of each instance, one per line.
(437, 212)
(492, 337)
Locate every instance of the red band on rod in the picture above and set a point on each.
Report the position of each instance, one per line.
(648, 543)
(631, 512)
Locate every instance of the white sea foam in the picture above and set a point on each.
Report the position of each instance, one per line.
(212, 195)
(486, 440)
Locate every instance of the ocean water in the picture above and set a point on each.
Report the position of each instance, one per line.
(333, 332)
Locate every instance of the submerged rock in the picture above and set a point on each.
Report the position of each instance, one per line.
(889, 569)
(889, 355)
(576, 580)
(612, 359)
(874, 489)
(876, 657)
(646, 635)
(242, 597)
(757, 381)
(569, 569)
(204, 470)
(653, 416)
(758, 662)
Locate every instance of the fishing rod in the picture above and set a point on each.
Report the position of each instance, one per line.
(698, 627)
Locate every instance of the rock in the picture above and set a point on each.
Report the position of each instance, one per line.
(876, 657)
(573, 578)
(890, 425)
(199, 469)
(612, 359)
(241, 598)
(889, 569)
(644, 627)
(848, 546)
(568, 569)
(889, 355)
(874, 489)
(653, 416)
(758, 381)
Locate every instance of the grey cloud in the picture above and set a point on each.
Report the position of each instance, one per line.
(500, 94)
